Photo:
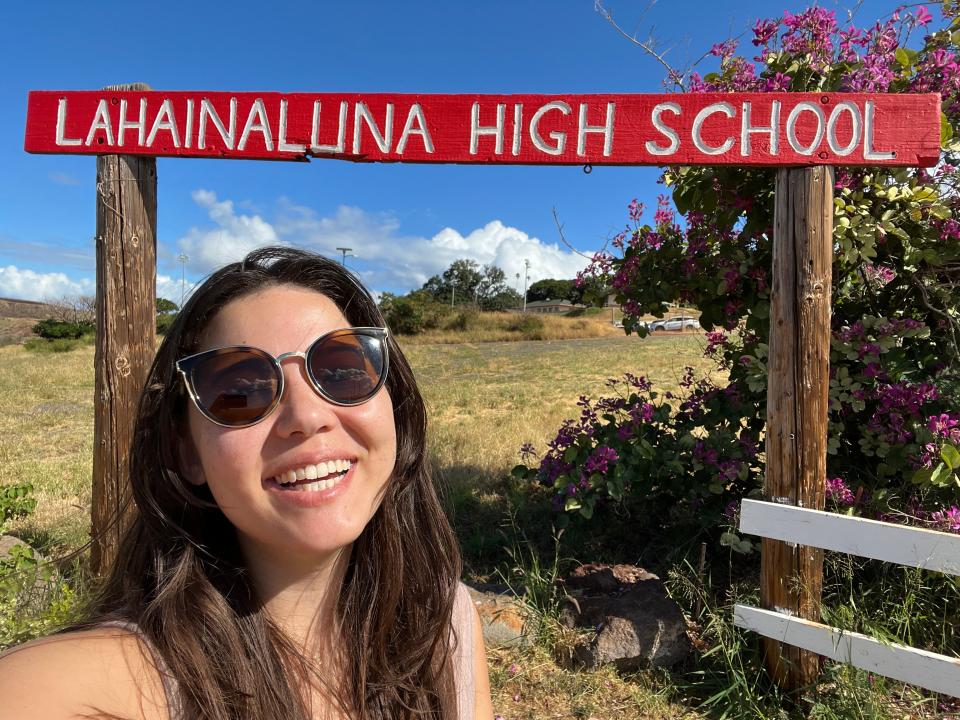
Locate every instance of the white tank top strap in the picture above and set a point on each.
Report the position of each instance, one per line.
(462, 622)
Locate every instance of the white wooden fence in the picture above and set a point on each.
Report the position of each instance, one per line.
(916, 547)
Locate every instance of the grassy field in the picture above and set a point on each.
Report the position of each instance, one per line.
(470, 326)
(484, 401)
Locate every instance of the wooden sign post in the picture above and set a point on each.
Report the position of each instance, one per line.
(126, 251)
(802, 134)
(798, 381)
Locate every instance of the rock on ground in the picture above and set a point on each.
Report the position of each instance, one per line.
(634, 624)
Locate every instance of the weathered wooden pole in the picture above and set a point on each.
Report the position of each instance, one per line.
(126, 250)
(791, 576)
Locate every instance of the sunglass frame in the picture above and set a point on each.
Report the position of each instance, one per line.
(186, 366)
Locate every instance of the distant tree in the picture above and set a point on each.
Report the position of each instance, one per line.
(503, 300)
(166, 306)
(74, 309)
(550, 289)
(466, 281)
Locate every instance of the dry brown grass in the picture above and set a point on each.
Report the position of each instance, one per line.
(529, 685)
(474, 327)
(486, 399)
(46, 438)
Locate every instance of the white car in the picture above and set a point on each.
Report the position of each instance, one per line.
(675, 323)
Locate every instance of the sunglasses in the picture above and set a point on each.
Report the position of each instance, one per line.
(239, 386)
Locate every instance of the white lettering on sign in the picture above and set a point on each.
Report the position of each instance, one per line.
(384, 139)
(720, 107)
(517, 129)
(262, 126)
(282, 143)
(855, 121)
(476, 129)
(560, 138)
(606, 129)
(747, 129)
(101, 121)
(315, 146)
(165, 120)
(792, 118)
(661, 127)
(62, 139)
(124, 124)
(768, 131)
(868, 152)
(208, 112)
(188, 132)
(415, 115)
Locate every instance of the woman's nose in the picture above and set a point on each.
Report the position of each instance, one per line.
(302, 410)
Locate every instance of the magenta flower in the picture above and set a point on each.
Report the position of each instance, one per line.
(948, 519)
(922, 16)
(838, 492)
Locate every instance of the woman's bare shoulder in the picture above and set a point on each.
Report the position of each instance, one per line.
(103, 672)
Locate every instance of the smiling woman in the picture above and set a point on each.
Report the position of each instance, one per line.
(288, 557)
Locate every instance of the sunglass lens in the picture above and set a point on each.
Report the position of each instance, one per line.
(349, 367)
(237, 387)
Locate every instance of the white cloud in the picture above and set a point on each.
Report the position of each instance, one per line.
(384, 257)
(169, 288)
(232, 238)
(25, 284)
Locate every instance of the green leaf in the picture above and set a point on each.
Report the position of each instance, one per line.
(950, 455)
(946, 130)
(903, 58)
(520, 471)
(940, 475)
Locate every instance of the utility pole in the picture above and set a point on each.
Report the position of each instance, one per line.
(344, 251)
(183, 258)
(453, 291)
(526, 268)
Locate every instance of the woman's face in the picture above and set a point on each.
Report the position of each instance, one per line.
(241, 465)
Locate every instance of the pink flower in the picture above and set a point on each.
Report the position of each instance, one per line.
(838, 491)
(923, 16)
(948, 519)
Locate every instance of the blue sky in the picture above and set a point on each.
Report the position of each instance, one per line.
(404, 222)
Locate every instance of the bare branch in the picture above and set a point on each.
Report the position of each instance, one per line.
(563, 239)
(646, 45)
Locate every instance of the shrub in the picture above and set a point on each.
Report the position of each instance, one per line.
(894, 425)
(405, 317)
(529, 325)
(39, 345)
(52, 329)
(164, 321)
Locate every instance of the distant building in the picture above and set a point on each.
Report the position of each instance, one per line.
(551, 306)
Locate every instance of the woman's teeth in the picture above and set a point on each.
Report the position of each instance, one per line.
(313, 478)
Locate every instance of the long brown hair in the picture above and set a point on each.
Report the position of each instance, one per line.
(180, 577)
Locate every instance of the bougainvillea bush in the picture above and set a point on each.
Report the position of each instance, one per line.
(683, 462)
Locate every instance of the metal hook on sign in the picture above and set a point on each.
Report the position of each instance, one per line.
(587, 169)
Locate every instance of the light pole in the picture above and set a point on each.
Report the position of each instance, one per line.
(183, 258)
(453, 291)
(344, 251)
(526, 268)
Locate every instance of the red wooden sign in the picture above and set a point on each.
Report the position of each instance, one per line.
(690, 129)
